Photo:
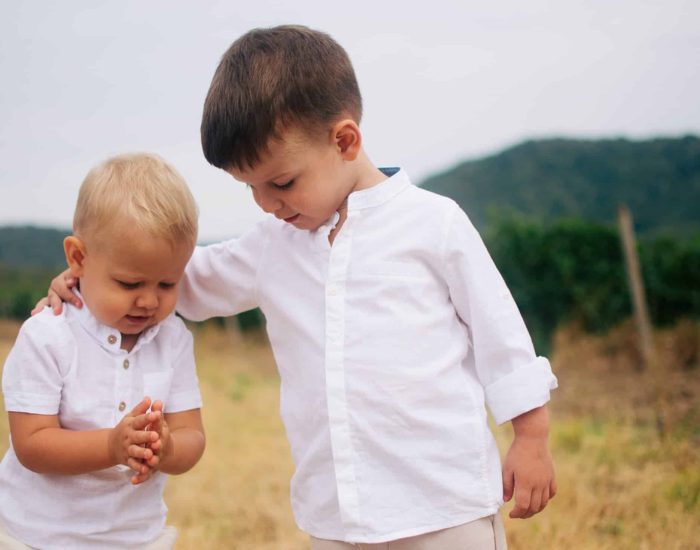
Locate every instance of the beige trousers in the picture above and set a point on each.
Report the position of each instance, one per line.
(483, 534)
(165, 541)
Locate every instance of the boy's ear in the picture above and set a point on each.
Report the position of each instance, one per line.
(347, 138)
(74, 249)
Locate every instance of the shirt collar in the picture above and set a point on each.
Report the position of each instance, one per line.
(397, 180)
(108, 337)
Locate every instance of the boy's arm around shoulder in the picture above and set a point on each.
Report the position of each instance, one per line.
(222, 279)
(517, 383)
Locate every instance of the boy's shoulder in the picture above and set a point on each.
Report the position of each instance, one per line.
(47, 324)
(47, 331)
(432, 199)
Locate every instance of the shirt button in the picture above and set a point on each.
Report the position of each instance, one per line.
(122, 406)
(332, 290)
(112, 339)
(126, 364)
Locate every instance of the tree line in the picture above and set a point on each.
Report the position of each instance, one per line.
(567, 271)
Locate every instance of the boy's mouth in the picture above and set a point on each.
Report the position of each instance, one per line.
(292, 219)
(138, 319)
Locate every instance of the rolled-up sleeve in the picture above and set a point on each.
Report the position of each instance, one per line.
(514, 379)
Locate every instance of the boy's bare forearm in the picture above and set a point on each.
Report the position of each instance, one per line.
(184, 450)
(532, 424)
(56, 450)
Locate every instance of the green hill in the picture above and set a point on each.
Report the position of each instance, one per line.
(30, 246)
(545, 180)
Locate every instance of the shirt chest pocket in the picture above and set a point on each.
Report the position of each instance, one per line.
(156, 385)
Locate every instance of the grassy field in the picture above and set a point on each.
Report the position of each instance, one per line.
(629, 476)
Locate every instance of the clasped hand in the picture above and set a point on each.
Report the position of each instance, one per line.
(140, 439)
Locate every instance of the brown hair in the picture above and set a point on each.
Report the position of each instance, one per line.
(269, 79)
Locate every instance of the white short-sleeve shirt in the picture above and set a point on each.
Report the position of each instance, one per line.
(72, 366)
(389, 344)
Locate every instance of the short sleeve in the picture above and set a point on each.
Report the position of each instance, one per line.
(184, 392)
(32, 377)
(221, 279)
(515, 380)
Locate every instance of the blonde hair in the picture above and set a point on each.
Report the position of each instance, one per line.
(139, 189)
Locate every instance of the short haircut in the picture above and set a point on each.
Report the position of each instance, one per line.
(138, 189)
(270, 79)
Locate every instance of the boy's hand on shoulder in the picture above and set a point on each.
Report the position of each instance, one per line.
(60, 290)
(528, 470)
(130, 439)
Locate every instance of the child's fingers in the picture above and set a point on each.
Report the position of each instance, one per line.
(142, 421)
(40, 305)
(142, 437)
(142, 407)
(137, 466)
(522, 503)
(157, 405)
(535, 503)
(140, 478)
(508, 484)
(153, 461)
(552, 488)
(139, 452)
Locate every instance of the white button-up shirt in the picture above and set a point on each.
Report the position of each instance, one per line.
(72, 366)
(388, 344)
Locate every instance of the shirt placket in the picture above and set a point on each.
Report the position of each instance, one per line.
(336, 395)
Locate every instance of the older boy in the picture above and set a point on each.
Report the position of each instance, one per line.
(76, 473)
(390, 325)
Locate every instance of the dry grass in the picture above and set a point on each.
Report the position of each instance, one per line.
(621, 484)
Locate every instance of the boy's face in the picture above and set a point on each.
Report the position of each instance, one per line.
(130, 280)
(299, 180)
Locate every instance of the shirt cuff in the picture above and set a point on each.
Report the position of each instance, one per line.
(33, 403)
(522, 390)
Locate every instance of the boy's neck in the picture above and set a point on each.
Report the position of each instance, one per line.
(367, 175)
(129, 341)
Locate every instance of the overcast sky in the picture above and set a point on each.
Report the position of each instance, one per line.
(83, 80)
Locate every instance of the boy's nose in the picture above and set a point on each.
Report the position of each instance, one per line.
(147, 300)
(267, 203)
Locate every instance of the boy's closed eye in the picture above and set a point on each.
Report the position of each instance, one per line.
(128, 285)
(131, 286)
(284, 185)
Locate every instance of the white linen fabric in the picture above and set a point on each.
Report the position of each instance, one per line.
(388, 344)
(72, 366)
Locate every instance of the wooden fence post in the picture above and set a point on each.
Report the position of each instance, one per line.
(634, 276)
(654, 374)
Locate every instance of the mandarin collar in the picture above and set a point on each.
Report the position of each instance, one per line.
(109, 338)
(397, 181)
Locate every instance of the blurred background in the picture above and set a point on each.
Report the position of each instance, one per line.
(546, 121)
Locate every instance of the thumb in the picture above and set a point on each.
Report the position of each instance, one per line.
(142, 407)
(508, 484)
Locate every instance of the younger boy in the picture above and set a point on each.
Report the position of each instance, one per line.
(77, 471)
(390, 325)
